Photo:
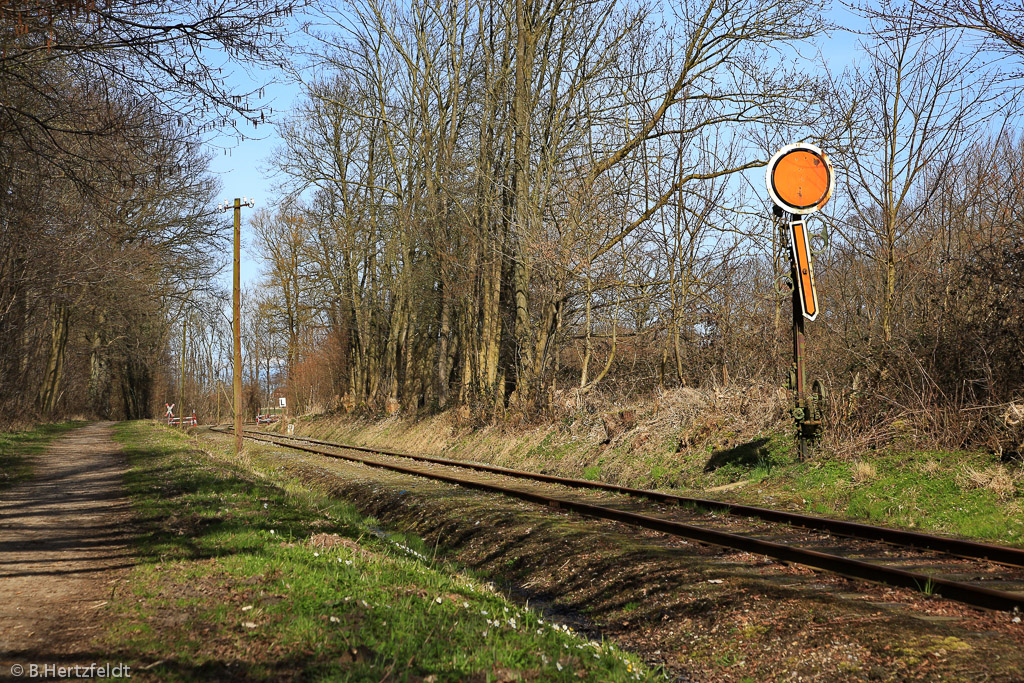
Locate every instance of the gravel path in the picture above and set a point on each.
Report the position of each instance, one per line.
(64, 546)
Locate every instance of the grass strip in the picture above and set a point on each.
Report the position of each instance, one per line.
(970, 494)
(17, 449)
(240, 577)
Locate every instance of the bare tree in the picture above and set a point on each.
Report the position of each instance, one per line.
(1000, 24)
(922, 99)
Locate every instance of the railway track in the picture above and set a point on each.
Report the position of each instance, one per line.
(980, 574)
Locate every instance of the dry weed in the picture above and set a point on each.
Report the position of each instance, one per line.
(315, 408)
(863, 471)
(328, 541)
(847, 443)
(995, 478)
(18, 424)
(1014, 414)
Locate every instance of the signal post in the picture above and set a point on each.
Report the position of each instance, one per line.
(800, 180)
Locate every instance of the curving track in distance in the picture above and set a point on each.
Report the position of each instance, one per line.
(961, 558)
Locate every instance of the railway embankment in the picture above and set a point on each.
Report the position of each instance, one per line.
(734, 446)
(702, 612)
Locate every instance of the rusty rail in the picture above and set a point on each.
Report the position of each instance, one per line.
(954, 590)
(952, 546)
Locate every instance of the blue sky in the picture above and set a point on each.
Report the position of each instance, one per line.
(243, 174)
(241, 164)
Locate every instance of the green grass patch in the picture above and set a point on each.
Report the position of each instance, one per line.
(553, 447)
(242, 576)
(968, 494)
(16, 449)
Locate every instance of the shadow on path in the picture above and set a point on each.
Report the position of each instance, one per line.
(65, 541)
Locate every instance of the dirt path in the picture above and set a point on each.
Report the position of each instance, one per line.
(64, 545)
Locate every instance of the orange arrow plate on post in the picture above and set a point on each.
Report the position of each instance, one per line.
(800, 244)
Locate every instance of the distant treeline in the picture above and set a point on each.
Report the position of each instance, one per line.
(106, 228)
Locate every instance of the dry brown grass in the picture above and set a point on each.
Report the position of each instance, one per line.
(995, 478)
(856, 422)
(17, 425)
(863, 471)
(327, 541)
(746, 410)
(573, 437)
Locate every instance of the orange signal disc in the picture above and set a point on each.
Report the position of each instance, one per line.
(801, 179)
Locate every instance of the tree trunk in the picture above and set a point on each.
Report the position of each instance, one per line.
(526, 46)
(443, 341)
(99, 370)
(60, 315)
(136, 388)
(889, 294)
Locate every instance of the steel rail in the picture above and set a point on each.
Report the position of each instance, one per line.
(952, 546)
(954, 590)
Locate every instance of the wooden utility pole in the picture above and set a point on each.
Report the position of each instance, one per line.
(236, 317)
(236, 325)
(181, 376)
